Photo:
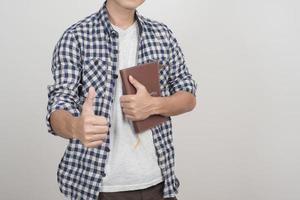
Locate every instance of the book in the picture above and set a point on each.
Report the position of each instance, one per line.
(148, 75)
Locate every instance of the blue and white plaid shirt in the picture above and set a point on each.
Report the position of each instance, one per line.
(86, 55)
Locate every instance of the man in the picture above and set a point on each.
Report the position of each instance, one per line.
(86, 106)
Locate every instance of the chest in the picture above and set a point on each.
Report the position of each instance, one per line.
(100, 66)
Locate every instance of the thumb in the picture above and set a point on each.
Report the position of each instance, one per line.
(136, 83)
(87, 107)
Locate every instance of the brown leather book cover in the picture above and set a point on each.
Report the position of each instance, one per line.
(148, 75)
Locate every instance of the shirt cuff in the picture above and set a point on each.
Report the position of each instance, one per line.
(188, 85)
(60, 106)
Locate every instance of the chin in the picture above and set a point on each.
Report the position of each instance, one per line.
(129, 4)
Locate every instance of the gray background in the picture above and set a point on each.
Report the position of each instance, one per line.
(240, 143)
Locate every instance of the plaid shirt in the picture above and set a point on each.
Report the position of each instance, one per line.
(86, 55)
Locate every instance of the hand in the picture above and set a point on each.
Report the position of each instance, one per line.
(89, 128)
(138, 106)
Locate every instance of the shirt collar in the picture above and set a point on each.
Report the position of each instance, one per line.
(108, 29)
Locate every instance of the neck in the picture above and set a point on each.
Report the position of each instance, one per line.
(120, 16)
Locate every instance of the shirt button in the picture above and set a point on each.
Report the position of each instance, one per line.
(114, 33)
(177, 184)
(115, 76)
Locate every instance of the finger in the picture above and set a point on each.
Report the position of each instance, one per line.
(126, 105)
(95, 144)
(96, 137)
(127, 98)
(94, 129)
(98, 130)
(130, 117)
(128, 111)
(87, 107)
(136, 83)
(99, 120)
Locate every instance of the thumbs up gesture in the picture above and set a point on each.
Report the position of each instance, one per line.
(89, 128)
(140, 105)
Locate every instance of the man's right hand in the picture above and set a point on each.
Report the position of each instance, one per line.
(89, 128)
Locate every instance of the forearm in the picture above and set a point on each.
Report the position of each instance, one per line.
(62, 123)
(176, 104)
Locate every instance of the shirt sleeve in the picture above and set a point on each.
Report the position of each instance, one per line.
(180, 77)
(66, 71)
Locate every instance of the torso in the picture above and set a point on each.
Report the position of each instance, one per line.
(129, 167)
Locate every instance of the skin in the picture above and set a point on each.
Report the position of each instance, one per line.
(121, 12)
(91, 129)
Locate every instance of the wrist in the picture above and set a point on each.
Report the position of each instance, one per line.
(72, 126)
(157, 105)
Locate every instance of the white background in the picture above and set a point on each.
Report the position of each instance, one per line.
(240, 143)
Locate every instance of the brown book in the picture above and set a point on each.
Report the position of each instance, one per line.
(148, 75)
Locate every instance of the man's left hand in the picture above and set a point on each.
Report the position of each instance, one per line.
(138, 106)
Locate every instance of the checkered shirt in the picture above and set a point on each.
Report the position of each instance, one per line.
(86, 55)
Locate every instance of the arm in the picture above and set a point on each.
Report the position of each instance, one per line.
(62, 122)
(182, 85)
(178, 103)
(142, 104)
(63, 99)
(65, 118)
(182, 88)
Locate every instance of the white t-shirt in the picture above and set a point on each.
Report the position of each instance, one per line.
(129, 167)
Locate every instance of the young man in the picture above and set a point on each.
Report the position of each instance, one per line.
(86, 106)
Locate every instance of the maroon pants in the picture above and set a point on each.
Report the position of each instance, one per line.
(151, 193)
